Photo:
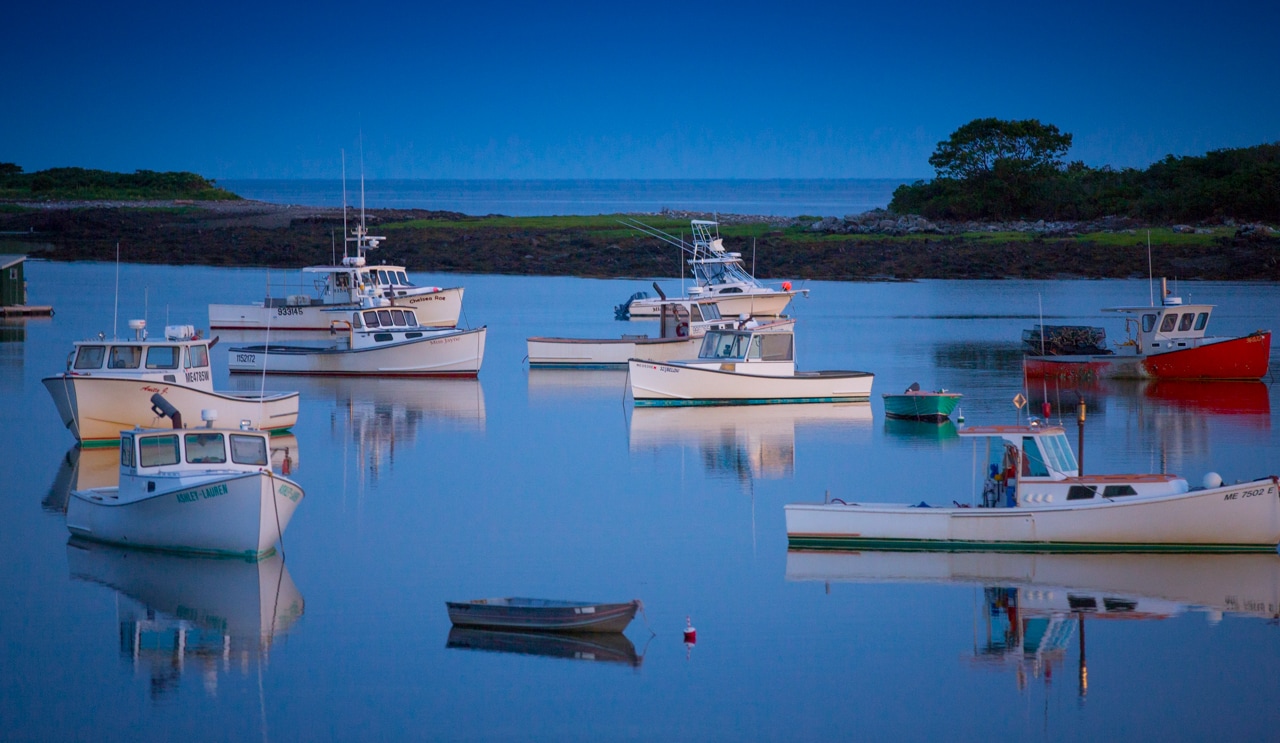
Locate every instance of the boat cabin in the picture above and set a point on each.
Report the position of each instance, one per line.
(1172, 325)
(169, 451)
(766, 353)
(1034, 466)
(182, 357)
(374, 327)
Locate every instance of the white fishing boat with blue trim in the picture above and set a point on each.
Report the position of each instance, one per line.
(193, 490)
(1036, 499)
(381, 341)
(750, 366)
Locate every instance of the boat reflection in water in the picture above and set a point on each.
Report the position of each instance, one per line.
(84, 469)
(191, 616)
(555, 385)
(922, 434)
(604, 647)
(1034, 604)
(380, 416)
(745, 442)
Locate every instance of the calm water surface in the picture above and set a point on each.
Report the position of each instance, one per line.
(547, 484)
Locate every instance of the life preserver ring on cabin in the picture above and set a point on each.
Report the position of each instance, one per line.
(682, 329)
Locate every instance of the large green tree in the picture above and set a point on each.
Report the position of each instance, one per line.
(984, 147)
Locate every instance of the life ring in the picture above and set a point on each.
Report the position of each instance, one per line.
(682, 329)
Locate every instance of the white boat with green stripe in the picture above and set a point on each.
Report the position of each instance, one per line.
(190, 490)
(1035, 499)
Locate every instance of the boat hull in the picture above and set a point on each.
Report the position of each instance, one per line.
(542, 616)
(434, 309)
(933, 407)
(457, 354)
(572, 353)
(95, 409)
(656, 384)
(1244, 517)
(761, 304)
(1244, 358)
(240, 515)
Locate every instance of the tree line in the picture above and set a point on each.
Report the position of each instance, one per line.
(86, 184)
(992, 169)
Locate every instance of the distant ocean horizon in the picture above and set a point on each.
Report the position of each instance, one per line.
(782, 197)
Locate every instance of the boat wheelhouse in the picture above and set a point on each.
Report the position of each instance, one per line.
(750, 366)
(108, 385)
(719, 275)
(1035, 499)
(339, 288)
(1168, 341)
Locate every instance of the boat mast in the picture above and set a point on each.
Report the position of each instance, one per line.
(344, 205)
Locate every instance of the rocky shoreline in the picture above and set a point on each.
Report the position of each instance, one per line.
(876, 245)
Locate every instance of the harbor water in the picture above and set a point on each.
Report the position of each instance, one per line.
(546, 483)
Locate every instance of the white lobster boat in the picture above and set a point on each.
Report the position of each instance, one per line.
(682, 324)
(197, 490)
(1035, 499)
(108, 386)
(719, 276)
(382, 342)
(751, 366)
(338, 289)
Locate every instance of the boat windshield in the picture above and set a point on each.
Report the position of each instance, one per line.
(1058, 453)
(704, 312)
(725, 345)
(721, 272)
(90, 357)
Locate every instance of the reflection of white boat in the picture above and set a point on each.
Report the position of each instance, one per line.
(743, 367)
(384, 342)
(1238, 584)
(1035, 499)
(681, 328)
(200, 490)
(185, 613)
(108, 386)
(338, 289)
(756, 440)
(553, 384)
(718, 275)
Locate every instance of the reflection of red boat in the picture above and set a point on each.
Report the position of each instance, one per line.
(1166, 342)
(1230, 397)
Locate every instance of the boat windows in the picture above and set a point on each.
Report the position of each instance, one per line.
(1187, 319)
(384, 316)
(754, 353)
(158, 451)
(402, 279)
(1119, 606)
(413, 334)
(198, 356)
(410, 318)
(371, 319)
(89, 357)
(125, 357)
(398, 317)
(1202, 319)
(1169, 321)
(205, 448)
(1081, 492)
(163, 357)
(383, 337)
(383, 279)
(1082, 603)
(1149, 322)
(1059, 454)
(355, 321)
(1115, 491)
(1032, 458)
(248, 449)
(126, 451)
(776, 346)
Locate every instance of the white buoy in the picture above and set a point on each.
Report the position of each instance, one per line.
(1212, 480)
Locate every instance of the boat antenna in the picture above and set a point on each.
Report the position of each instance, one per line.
(115, 313)
(362, 184)
(1151, 281)
(344, 203)
(753, 256)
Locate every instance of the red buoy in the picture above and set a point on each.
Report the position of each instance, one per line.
(1046, 410)
(690, 634)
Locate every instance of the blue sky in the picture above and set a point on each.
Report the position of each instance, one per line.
(621, 90)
